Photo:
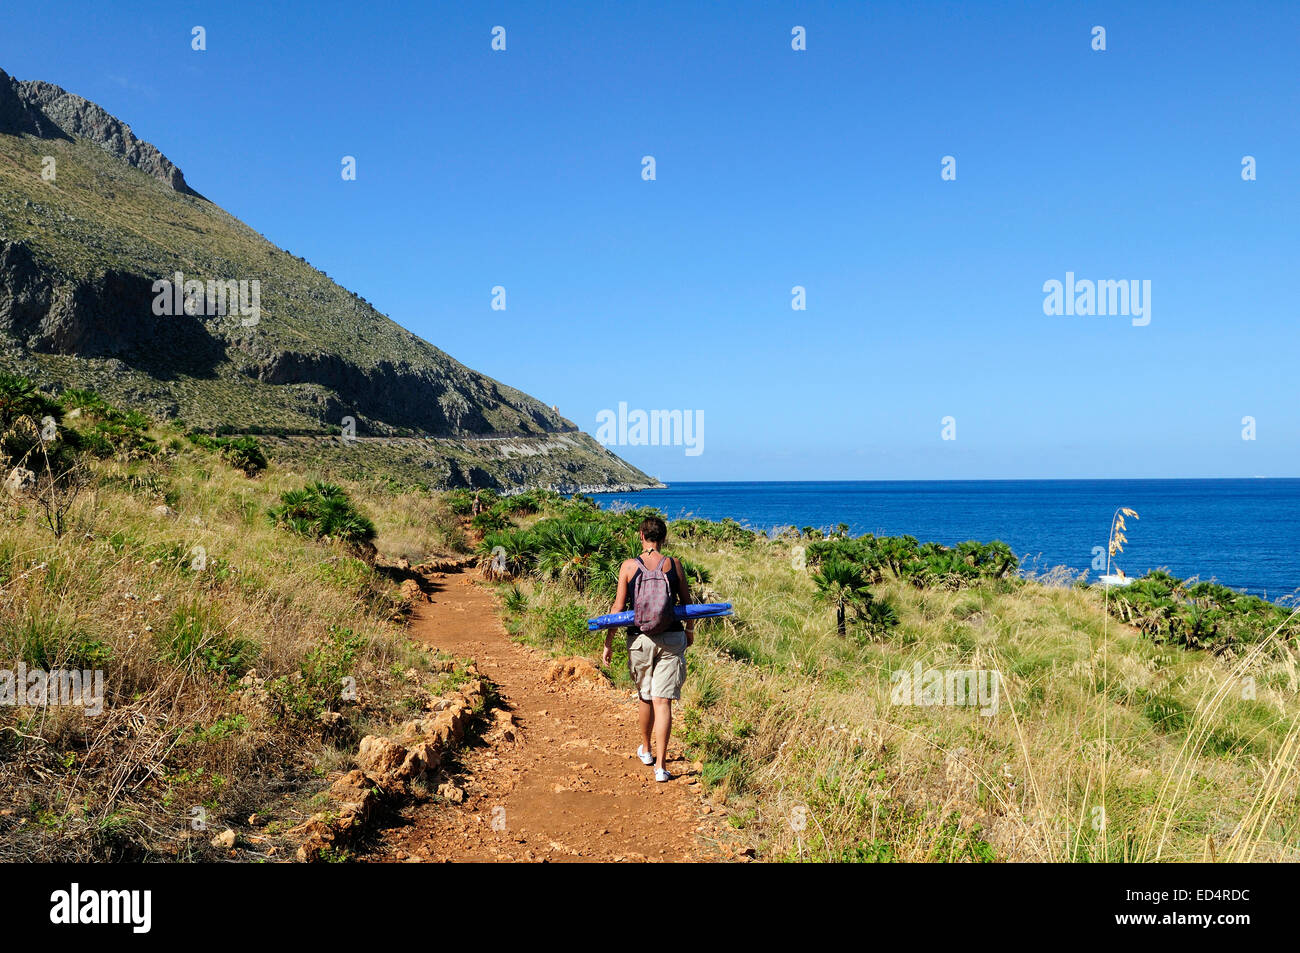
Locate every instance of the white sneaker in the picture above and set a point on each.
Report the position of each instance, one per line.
(646, 757)
(661, 775)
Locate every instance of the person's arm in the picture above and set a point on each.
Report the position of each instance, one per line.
(684, 598)
(620, 600)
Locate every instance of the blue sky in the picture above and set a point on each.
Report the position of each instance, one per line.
(775, 168)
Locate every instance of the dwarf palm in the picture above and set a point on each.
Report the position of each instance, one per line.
(880, 614)
(1001, 555)
(696, 574)
(510, 551)
(320, 510)
(573, 549)
(841, 584)
(896, 552)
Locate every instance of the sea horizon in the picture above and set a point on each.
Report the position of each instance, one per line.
(1238, 531)
(984, 480)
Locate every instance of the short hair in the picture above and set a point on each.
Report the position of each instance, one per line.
(654, 529)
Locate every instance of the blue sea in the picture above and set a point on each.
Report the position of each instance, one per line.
(1242, 533)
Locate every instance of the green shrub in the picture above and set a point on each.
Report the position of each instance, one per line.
(110, 432)
(925, 565)
(323, 510)
(509, 552)
(25, 417)
(194, 640)
(707, 531)
(520, 504)
(880, 616)
(1194, 615)
(243, 453)
(219, 730)
(322, 675)
(577, 551)
(123, 439)
(490, 521)
(19, 397)
(46, 642)
(842, 584)
(564, 626)
(696, 574)
(460, 502)
(516, 601)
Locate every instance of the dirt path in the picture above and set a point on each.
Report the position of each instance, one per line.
(567, 786)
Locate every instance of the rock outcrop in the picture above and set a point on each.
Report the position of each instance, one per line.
(574, 669)
(388, 767)
(45, 110)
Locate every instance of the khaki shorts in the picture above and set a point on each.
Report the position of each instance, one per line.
(657, 664)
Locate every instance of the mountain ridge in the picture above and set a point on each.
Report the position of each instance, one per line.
(45, 110)
(82, 251)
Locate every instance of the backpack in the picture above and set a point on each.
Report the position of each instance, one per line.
(653, 605)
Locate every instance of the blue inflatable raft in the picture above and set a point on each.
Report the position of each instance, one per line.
(699, 610)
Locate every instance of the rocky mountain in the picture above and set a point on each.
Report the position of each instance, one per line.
(48, 111)
(244, 336)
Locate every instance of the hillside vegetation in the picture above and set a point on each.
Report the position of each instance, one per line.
(1106, 741)
(231, 601)
(230, 606)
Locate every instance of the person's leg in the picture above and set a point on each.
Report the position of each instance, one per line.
(663, 726)
(665, 687)
(646, 719)
(640, 658)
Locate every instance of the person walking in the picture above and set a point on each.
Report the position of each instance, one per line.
(656, 643)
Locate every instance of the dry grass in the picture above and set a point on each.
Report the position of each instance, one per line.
(1105, 746)
(175, 608)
